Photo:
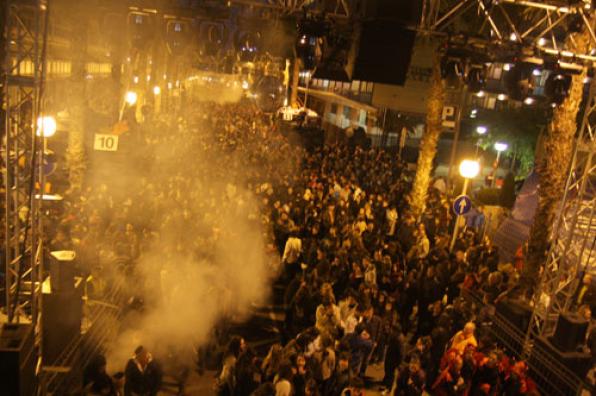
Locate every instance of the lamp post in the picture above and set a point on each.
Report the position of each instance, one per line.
(468, 169)
(499, 147)
(130, 99)
(157, 99)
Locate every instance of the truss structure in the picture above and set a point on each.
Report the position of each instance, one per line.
(537, 27)
(572, 249)
(541, 29)
(334, 8)
(21, 151)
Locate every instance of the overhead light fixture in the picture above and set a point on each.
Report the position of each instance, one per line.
(46, 126)
(480, 94)
(481, 129)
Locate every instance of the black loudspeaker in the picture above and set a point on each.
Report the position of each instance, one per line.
(62, 316)
(62, 270)
(570, 333)
(17, 360)
(578, 363)
(518, 313)
(384, 52)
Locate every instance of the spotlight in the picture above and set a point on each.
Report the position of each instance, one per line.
(481, 129)
(529, 101)
(557, 87)
(480, 94)
(507, 66)
(518, 81)
(501, 97)
(513, 37)
(536, 72)
(476, 78)
(541, 41)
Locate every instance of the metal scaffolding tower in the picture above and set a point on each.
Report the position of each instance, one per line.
(22, 152)
(574, 234)
(534, 29)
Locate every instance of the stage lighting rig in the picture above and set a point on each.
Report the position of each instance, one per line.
(519, 80)
(178, 36)
(557, 87)
(476, 77)
(141, 28)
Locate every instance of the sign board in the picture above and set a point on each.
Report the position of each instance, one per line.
(105, 142)
(448, 117)
(462, 205)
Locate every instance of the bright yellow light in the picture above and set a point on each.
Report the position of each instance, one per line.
(131, 98)
(469, 169)
(156, 90)
(46, 126)
(135, 79)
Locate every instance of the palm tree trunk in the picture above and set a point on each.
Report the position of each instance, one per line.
(553, 170)
(428, 144)
(75, 154)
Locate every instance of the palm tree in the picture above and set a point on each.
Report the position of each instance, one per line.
(553, 169)
(428, 144)
(75, 154)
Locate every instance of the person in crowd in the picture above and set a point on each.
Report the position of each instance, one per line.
(361, 284)
(464, 337)
(142, 375)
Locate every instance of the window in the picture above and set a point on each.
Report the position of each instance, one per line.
(369, 87)
(355, 86)
(362, 120)
(325, 83)
(495, 72)
(347, 113)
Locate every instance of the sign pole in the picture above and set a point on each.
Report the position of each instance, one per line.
(456, 226)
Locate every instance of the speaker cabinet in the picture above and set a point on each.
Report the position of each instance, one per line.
(17, 360)
(541, 359)
(516, 312)
(570, 333)
(62, 315)
(62, 270)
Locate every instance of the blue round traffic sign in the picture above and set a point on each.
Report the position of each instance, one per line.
(462, 205)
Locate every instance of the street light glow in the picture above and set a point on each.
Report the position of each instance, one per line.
(46, 126)
(500, 146)
(529, 101)
(469, 169)
(481, 129)
(156, 90)
(131, 98)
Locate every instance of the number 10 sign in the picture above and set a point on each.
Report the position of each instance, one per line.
(105, 142)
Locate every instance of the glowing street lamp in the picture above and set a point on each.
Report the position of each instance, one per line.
(131, 98)
(499, 147)
(468, 169)
(156, 90)
(481, 129)
(46, 126)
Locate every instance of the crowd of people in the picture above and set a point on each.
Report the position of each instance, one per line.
(366, 283)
